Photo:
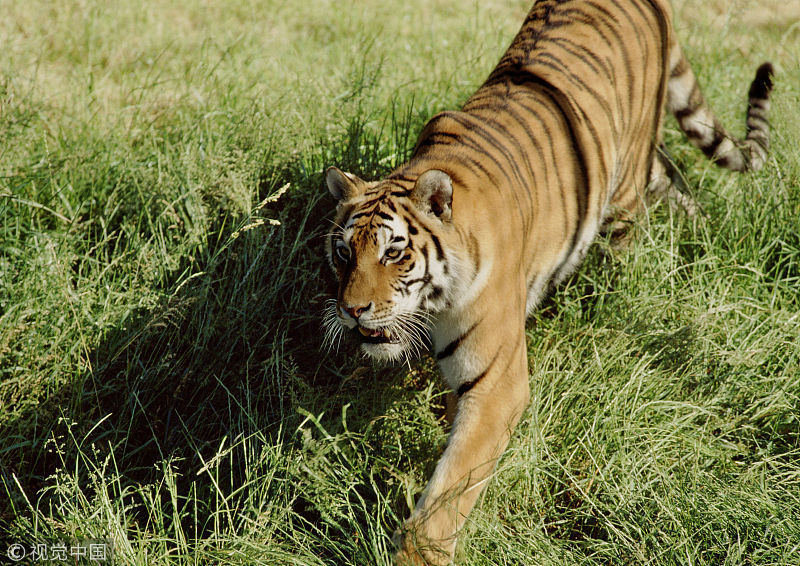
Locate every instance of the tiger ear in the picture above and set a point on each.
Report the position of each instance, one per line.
(343, 186)
(433, 194)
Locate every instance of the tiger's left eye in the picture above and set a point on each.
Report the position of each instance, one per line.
(342, 251)
(392, 254)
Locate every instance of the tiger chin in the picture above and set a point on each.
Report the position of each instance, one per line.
(499, 203)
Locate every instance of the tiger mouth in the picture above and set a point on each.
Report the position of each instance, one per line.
(376, 335)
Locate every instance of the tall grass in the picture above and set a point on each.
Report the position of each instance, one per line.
(162, 280)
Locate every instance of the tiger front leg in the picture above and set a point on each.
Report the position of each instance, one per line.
(486, 414)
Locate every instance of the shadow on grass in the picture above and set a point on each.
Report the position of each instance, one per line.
(235, 352)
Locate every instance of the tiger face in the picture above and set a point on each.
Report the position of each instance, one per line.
(389, 254)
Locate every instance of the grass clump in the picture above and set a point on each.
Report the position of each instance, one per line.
(162, 215)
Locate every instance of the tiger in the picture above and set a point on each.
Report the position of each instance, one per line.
(498, 204)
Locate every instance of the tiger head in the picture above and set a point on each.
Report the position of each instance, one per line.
(389, 250)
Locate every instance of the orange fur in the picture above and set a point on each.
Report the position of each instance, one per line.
(498, 204)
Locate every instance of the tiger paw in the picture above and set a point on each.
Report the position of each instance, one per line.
(416, 551)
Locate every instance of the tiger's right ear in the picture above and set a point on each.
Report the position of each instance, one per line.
(433, 194)
(343, 186)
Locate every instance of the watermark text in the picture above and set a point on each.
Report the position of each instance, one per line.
(75, 551)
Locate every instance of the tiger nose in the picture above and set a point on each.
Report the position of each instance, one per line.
(356, 311)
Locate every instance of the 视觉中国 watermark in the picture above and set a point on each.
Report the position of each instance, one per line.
(74, 551)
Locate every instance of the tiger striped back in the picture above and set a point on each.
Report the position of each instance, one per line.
(499, 202)
(581, 123)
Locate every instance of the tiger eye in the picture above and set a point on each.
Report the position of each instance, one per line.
(343, 252)
(392, 253)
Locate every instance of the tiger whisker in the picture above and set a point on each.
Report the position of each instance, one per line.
(337, 229)
(333, 330)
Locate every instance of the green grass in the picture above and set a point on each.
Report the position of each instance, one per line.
(162, 381)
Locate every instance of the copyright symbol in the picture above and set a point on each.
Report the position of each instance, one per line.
(16, 552)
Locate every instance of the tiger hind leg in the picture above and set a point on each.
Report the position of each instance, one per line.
(667, 182)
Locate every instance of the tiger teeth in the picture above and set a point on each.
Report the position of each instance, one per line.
(376, 333)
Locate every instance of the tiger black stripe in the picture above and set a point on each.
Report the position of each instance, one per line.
(586, 57)
(467, 386)
(581, 194)
(472, 125)
(680, 68)
(560, 66)
(625, 53)
(514, 160)
(450, 349)
(438, 245)
(515, 115)
(448, 138)
(533, 175)
(426, 278)
(475, 166)
(545, 128)
(663, 29)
